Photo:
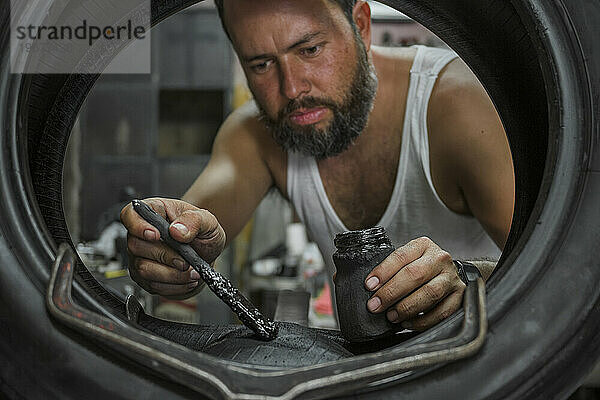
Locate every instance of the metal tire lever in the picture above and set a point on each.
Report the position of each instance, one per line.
(205, 374)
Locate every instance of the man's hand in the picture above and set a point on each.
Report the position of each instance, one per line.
(418, 277)
(155, 266)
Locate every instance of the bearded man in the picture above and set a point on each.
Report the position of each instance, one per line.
(354, 136)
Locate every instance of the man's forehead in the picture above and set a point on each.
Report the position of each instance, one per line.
(277, 6)
(287, 20)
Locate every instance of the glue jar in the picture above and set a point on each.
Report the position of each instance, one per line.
(358, 252)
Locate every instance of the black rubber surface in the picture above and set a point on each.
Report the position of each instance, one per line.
(539, 62)
(294, 346)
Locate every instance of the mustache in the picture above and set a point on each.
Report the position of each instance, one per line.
(307, 102)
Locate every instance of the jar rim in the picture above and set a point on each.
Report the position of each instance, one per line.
(348, 239)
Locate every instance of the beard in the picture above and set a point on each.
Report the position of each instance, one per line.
(350, 115)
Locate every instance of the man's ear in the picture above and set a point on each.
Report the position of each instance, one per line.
(361, 14)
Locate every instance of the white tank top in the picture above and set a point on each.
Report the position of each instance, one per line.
(415, 209)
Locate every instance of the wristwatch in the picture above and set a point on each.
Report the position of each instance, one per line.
(464, 267)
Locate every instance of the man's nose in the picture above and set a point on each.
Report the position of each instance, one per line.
(293, 81)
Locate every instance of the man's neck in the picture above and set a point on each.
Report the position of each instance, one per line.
(359, 182)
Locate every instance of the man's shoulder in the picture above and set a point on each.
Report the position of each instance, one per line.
(466, 137)
(459, 104)
(465, 131)
(244, 120)
(457, 88)
(244, 125)
(461, 118)
(243, 134)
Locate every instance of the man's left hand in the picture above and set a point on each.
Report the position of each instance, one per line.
(417, 285)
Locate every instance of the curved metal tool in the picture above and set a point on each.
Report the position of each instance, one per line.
(226, 380)
(221, 286)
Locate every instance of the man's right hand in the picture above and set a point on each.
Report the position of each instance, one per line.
(155, 266)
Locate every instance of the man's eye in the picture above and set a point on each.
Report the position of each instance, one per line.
(312, 51)
(262, 67)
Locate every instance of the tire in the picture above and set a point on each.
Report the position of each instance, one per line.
(536, 59)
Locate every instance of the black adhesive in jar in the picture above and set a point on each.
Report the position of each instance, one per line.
(358, 252)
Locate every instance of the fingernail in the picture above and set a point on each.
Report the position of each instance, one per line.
(181, 228)
(149, 234)
(406, 325)
(373, 304)
(392, 315)
(195, 275)
(372, 282)
(193, 284)
(179, 263)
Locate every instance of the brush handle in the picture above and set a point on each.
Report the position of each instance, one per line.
(221, 286)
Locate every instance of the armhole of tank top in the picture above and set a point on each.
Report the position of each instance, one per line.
(431, 77)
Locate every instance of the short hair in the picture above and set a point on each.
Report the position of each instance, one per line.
(345, 5)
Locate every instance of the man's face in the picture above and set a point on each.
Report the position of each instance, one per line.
(307, 69)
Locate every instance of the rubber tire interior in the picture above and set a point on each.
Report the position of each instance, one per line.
(535, 59)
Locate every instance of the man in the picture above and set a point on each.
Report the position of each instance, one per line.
(354, 136)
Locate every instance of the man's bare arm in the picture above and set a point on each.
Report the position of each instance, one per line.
(218, 205)
(470, 141)
(471, 150)
(237, 175)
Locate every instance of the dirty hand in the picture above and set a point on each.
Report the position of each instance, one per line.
(155, 266)
(416, 278)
